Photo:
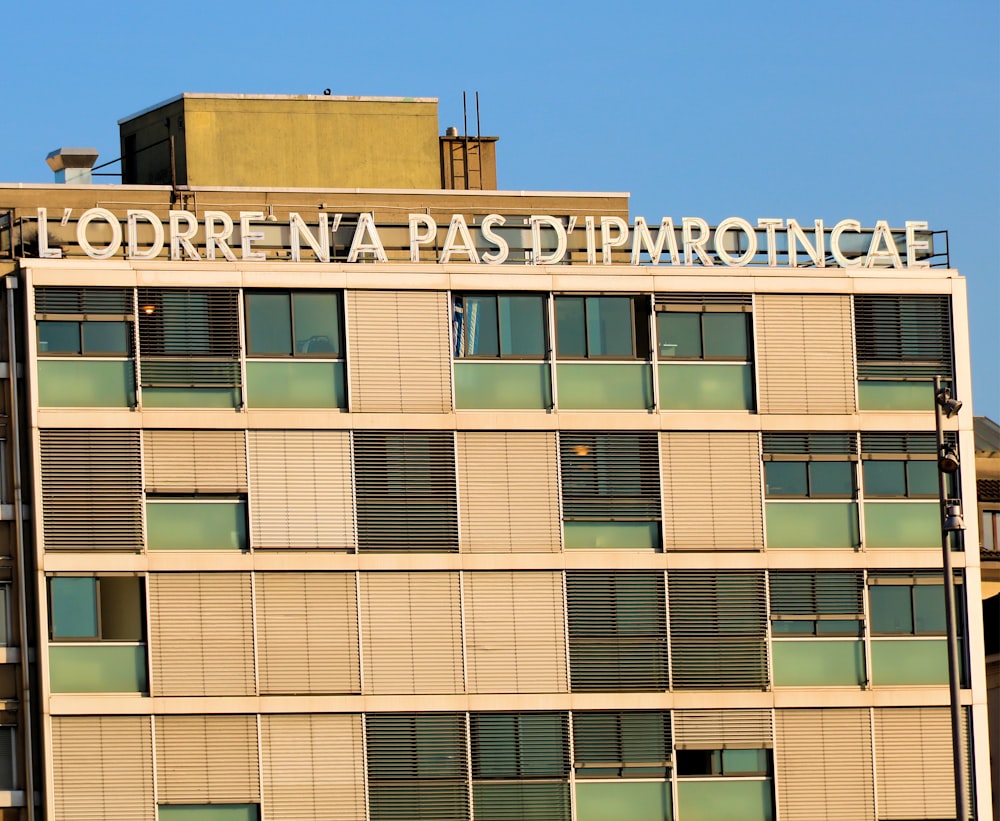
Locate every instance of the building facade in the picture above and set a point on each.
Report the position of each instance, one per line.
(396, 504)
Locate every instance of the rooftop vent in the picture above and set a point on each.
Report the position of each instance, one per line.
(72, 165)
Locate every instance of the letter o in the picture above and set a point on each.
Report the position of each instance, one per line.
(88, 217)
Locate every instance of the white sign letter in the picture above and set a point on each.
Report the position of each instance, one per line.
(816, 251)
(838, 229)
(666, 235)
(132, 232)
(609, 240)
(882, 235)
(298, 229)
(695, 244)
(724, 228)
(247, 236)
(116, 233)
(43, 238)
(914, 246)
(416, 238)
(503, 249)
(770, 225)
(366, 224)
(458, 229)
(536, 222)
(182, 239)
(218, 238)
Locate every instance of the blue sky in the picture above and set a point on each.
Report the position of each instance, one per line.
(864, 109)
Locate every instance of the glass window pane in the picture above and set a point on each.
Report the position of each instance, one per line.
(522, 326)
(74, 607)
(87, 383)
(838, 627)
(793, 628)
(891, 609)
(481, 330)
(635, 801)
(884, 478)
(922, 478)
(812, 663)
(269, 324)
(105, 337)
(317, 322)
(184, 525)
(831, 479)
(786, 478)
(902, 524)
(928, 608)
(744, 762)
(909, 661)
(98, 668)
(678, 334)
(59, 337)
(208, 812)
(725, 335)
(571, 337)
(813, 524)
(732, 800)
(609, 326)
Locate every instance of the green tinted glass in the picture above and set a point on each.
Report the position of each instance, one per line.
(706, 386)
(902, 524)
(831, 479)
(522, 326)
(103, 668)
(489, 385)
(317, 322)
(105, 338)
(928, 609)
(295, 384)
(812, 524)
(678, 334)
(604, 386)
(609, 326)
(889, 395)
(793, 628)
(481, 326)
(922, 478)
(208, 812)
(86, 383)
(891, 609)
(717, 800)
(196, 525)
(744, 762)
(635, 801)
(909, 662)
(812, 663)
(73, 607)
(786, 478)
(612, 535)
(725, 335)
(59, 337)
(571, 333)
(269, 323)
(884, 478)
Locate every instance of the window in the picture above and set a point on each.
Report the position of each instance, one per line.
(900, 475)
(703, 327)
(189, 347)
(622, 744)
(495, 337)
(97, 633)
(907, 613)
(809, 466)
(405, 488)
(704, 346)
(8, 758)
(810, 487)
(293, 323)
(499, 326)
(196, 523)
(208, 812)
(899, 465)
(718, 630)
(594, 327)
(91, 323)
(816, 604)
(520, 766)
(610, 490)
(724, 763)
(617, 631)
(903, 342)
(991, 530)
(417, 767)
(817, 620)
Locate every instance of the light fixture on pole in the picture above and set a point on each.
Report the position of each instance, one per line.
(946, 406)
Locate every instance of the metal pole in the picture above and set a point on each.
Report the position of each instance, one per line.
(954, 669)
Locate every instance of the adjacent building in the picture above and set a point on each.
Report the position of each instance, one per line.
(341, 485)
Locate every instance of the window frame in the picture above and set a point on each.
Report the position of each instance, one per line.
(700, 311)
(126, 320)
(99, 638)
(636, 336)
(717, 762)
(460, 338)
(337, 355)
(912, 583)
(808, 461)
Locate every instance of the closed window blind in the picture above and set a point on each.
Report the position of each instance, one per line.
(617, 631)
(610, 476)
(417, 767)
(91, 490)
(903, 335)
(717, 630)
(622, 744)
(405, 486)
